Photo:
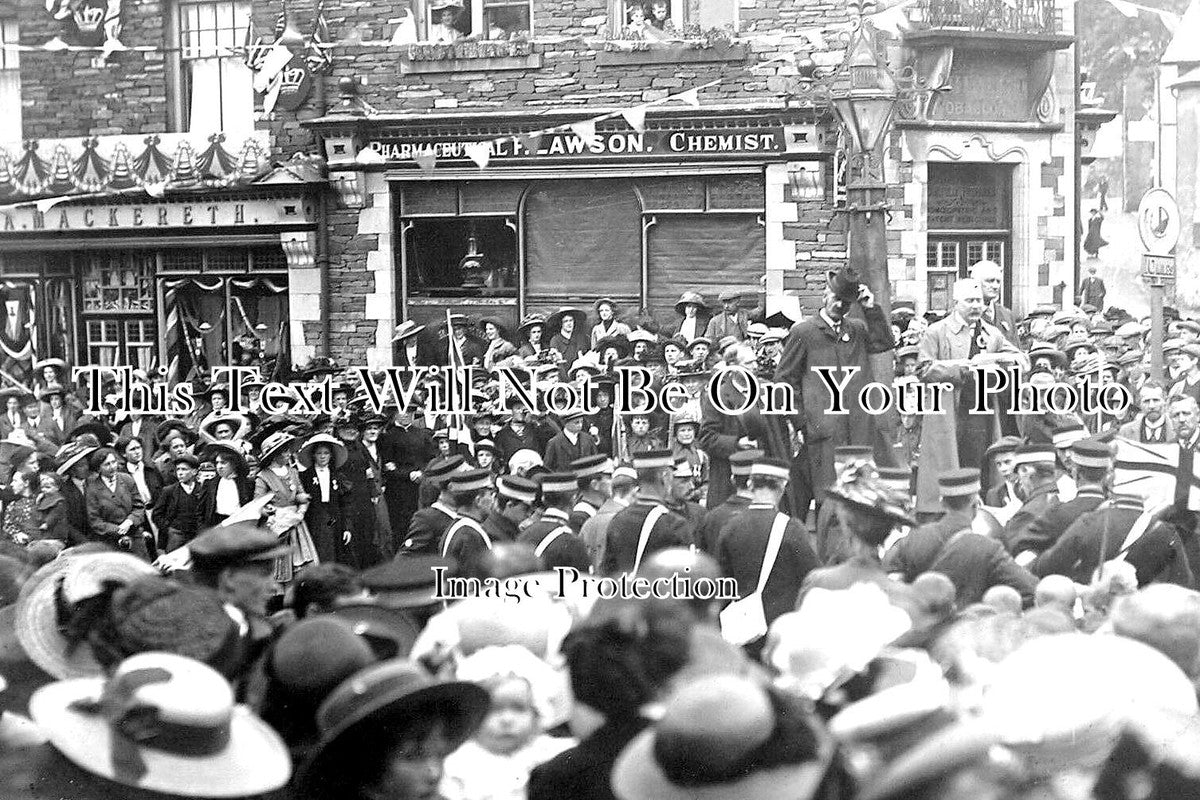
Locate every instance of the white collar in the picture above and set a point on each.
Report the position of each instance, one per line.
(837, 326)
(573, 438)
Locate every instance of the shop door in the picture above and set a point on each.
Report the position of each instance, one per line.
(970, 220)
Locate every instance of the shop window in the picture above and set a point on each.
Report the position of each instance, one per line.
(216, 85)
(118, 281)
(670, 20)
(462, 257)
(10, 82)
(104, 342)
(707, 253)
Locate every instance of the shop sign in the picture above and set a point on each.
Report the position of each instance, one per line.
(148, 216)
(623, 145)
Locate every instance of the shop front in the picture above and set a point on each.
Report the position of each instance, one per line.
(171, 286)
(554, 219)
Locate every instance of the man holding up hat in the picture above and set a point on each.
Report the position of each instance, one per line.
(648, 525)
(830, 339)
(551, 536)
(472, 494)
(974, 562)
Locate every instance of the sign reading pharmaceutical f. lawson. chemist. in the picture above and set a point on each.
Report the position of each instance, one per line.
(133, 216)
(700, 143)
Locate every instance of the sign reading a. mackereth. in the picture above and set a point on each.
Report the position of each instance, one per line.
(685, 144)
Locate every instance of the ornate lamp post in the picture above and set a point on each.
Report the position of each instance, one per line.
(864, 94)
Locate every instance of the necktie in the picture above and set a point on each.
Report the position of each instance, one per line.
(976, 340)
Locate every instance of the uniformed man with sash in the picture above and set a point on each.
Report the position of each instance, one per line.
(551, 536)
(593, 476)
(473, 496)
(715, 519)
(646, 526)
(428, 524)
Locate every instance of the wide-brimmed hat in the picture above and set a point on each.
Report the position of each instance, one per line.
(320, 365)
(170, 426)
(619, 342)
(689, 298)
(711, 732)
(163, 723)
(389, 630)
(69, 455)
(858, 487)
(1058, 357)
(95, 427)
(601, 301)
(406, 329)
(274, 444)
(51, 389)
(231, 418)
(51, 596)
(231, 447)
(641, 335)
(500, 324)
(58, 363)
(531, 321)
(379, 699)
(554, 321)
(305, 454)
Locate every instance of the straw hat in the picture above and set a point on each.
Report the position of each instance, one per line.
(77, 577)
(227, 750)
(273, 445)
(305, 454)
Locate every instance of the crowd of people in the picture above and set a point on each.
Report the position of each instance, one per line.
(232, 603)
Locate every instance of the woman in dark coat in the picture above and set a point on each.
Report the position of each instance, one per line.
(568, 336)
(322, 456)
(229, 490)
(115, 512)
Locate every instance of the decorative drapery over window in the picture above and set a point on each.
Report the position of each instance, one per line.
(18, 332)
(214, 321)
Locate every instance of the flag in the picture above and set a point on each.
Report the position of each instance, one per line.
(636, 117)
(317, 54)
(1151, 471)
(457, 423)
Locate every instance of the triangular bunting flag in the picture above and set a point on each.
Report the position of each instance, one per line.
(585, 130)
(1126, 9)
(55, 45)
(156, 190)
(636, 117)
(479, 152)
(47, 203)
(425, 159)
(530, 142)
(691, 97)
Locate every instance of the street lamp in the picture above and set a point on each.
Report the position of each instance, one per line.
(863, 93)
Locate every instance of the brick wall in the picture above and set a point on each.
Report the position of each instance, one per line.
(66, 94)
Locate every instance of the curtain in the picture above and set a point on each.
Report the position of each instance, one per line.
(583, 238)
(261, 302)
(705, 253)
(188, 303)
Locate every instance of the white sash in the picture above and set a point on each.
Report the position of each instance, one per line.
(459, 524)
(745, 620)
(549, 540)
(644, 536)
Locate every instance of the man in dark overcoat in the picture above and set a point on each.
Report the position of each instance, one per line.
(831, 339)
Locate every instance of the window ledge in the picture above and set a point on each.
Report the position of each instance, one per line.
(468, 57)
(681, 53)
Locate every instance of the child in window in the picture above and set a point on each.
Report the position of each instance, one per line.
(528, 697)
(635, 22)
(660, 27)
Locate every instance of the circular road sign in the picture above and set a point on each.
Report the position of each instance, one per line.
(1158, 221)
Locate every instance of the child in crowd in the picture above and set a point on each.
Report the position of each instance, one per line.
(495, 764)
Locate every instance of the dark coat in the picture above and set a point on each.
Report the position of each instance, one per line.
(621, 539)
(107, 510)
(813, 343)
(463, 542)
(208, 500)
(568, 550)
(560, 452)
(409, 450)
(326, 520)
(361, 477)
(1044, 530)
(509, 441)
(76, 511)
(973, 562)
(1097, 536)
(147, 434)
(55, 522)
(742, 547)
(425, 531)
(584, 771)
(178, 512)
(709, 533)
(1041, 501)
(1004, 319)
